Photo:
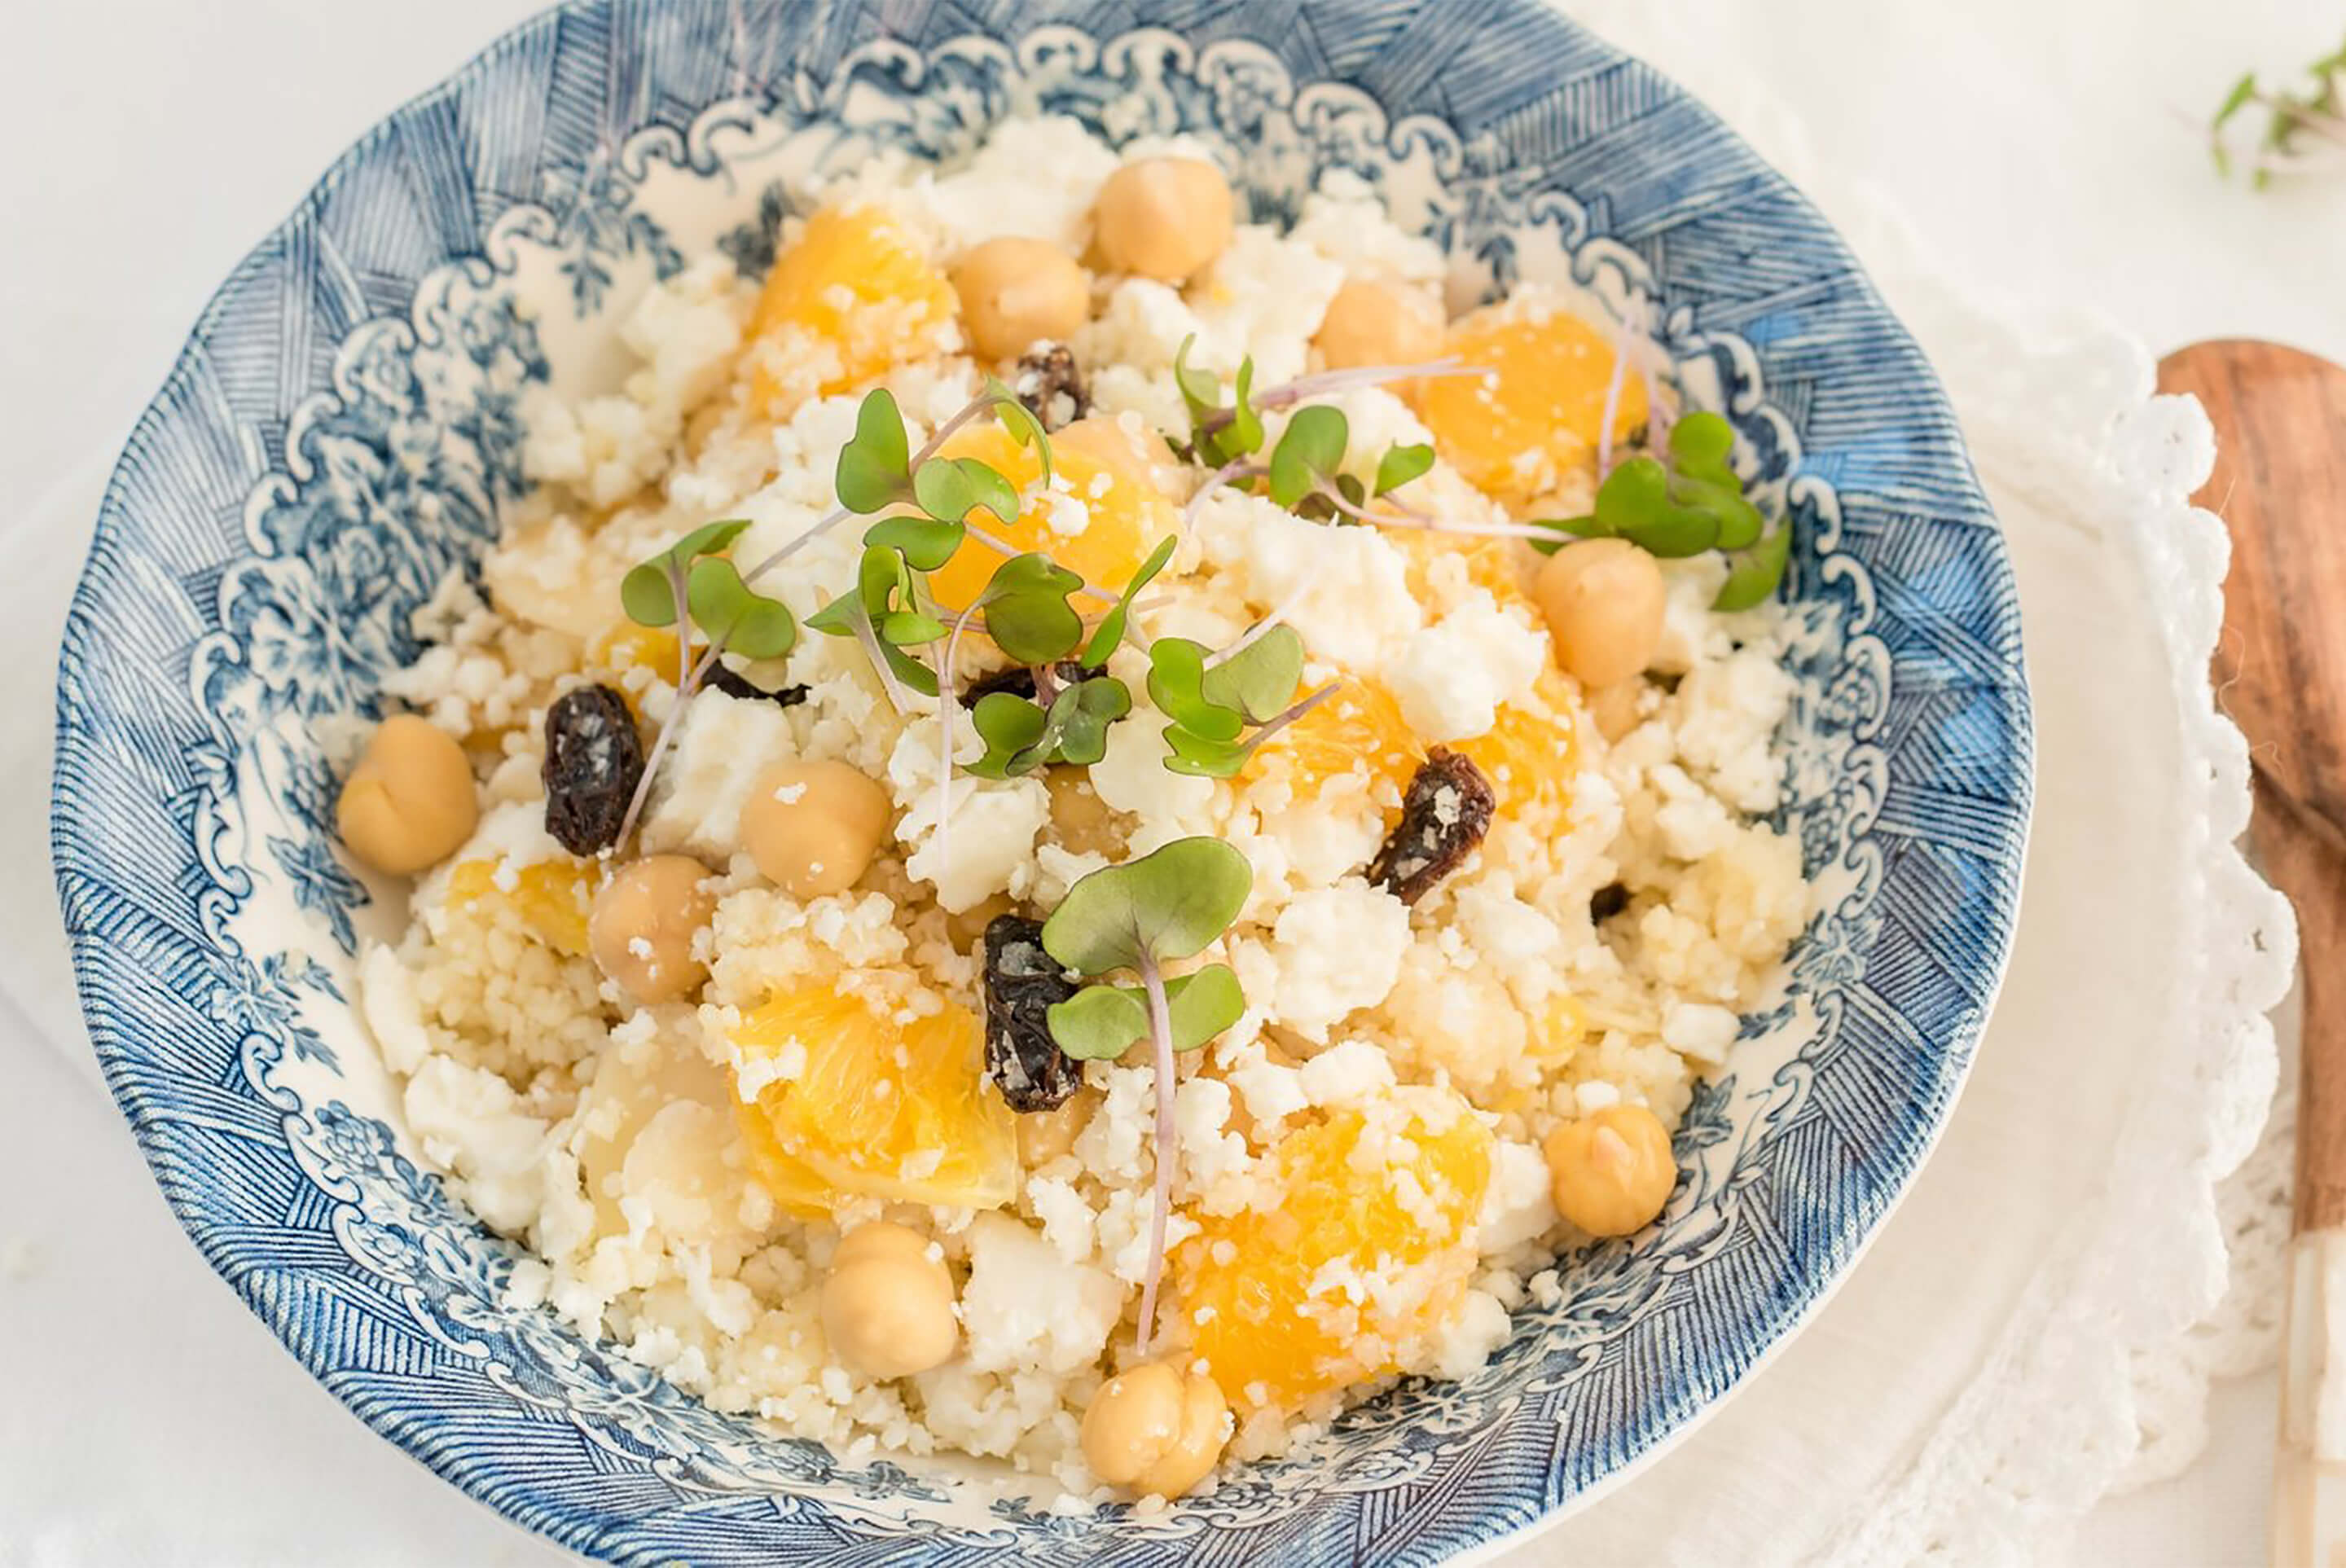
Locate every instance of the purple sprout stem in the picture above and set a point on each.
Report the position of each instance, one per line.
(823, 525)
(1293, 714)
(945, 744)
(1160, 1030)
(688, 686)
(1418, 520)
(1613, 386)
(1327, 381)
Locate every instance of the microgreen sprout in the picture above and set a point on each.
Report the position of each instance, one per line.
(1692, 503)
(693, 585)
(1160, 909)
(1210, 704)
(2305, 132)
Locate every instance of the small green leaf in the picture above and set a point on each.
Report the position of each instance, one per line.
(1020, 422)
(1311, 449)
(1245, 435)
(1099, 1023)
(910, 670)
(928, 543)
(871, 475)
(838, 618)
(1568, 529)
(1202, 1004)
(1702, 443)
(1400, 464)
(731, 612)
(1260, 679)
(1203, 756)
(648, 593)
(1109, 633)
(1176, 683)
(1198, 388)
(909, 628)
(1757, 572)
(1009, 725)
(1027, 610)
(2243, 93)
(950, 488)
(1169, 905)
(1080, 716)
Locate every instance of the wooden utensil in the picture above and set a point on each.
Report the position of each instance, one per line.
(2280, 485)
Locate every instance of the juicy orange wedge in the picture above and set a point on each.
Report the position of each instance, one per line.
(851, 1099)
(1535, 418)
(1532, 752)
(855, 281)
(1103, 525)
(553, 897)
(1359, 732)
(1369, 1244)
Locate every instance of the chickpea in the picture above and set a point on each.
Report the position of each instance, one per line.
(888, 1303)
(1015, 293)
(1376, 323)
(644, 922)
(1155, 1431)
(1611, 1173)
(1617, 709)
(410, 801)
(1044, 1135)
(1081, 822)
(813, 827)
(1603, 599)
(1164, 217)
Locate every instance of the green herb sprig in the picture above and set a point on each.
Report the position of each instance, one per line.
(2304, 132)
(1683, 507)
(1165, 906)
(1220, 708)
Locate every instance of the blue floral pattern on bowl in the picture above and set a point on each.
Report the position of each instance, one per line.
(342, 431)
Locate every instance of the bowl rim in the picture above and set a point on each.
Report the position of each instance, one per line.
(2000, 910)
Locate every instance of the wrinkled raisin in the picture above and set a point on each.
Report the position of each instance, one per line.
(593, 760)
(1608, 901)
(1022, 983)
(1051, 386)
(733, 684)
(1445, 815)
(1019, 681)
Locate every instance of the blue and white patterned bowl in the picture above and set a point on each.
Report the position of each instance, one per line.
(341, 430)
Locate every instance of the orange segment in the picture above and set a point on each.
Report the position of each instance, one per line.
(1498, 566)
(1513, 434)
(1357, 732)
(1532, 752)
(1111, 500)
(1369, 1244)
(553, 897)
(852, 1097)
(627, 646)
(855, 281)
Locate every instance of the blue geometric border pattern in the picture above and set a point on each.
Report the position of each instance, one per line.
(341, 429)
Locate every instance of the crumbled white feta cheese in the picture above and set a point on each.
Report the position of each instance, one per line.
(1451, 678)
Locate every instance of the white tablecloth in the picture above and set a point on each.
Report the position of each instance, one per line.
(2042, 150)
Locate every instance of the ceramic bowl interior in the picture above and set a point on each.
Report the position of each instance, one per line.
(340, 431)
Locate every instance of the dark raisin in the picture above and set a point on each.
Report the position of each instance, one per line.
(733, 684)
(593, 760)
(1022, 983)
(1445, 815)
(1051, 386)
(1608, 901)
(1019, 681)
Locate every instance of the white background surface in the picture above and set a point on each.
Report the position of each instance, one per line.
(2042, 147)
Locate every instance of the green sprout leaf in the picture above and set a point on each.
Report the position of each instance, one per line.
(1245, 435)
(1165, 906)
(731, 614)
(1757, 572)
(1177, 685)
(1260, 679)
(1020, 422)
(873, 467)
(648, 595)
(909, 628)
(1010, 725)
(950, 488)
(1200, 390)
(927, 542)
(1101, 1023)
(1108, 636)
(884, 587)
(1203, 756)
(1309, 453)
(1080, 716)
(1027, 610)
(2243, 94)
(1694, 504)
(1400, 464)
